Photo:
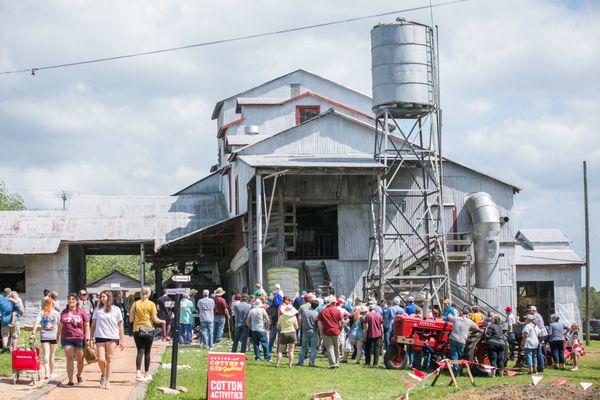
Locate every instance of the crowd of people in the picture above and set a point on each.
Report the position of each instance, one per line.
(342, 330)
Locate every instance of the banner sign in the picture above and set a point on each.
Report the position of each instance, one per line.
(226, 378)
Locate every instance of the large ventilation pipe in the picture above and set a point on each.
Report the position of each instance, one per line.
(486, 238)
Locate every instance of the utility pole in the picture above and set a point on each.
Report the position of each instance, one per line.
(587, 256)
(63, 196)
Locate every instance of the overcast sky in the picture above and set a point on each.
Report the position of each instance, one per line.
(520, 89)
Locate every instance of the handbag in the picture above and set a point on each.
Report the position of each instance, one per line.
(90, 354)
(143, 331)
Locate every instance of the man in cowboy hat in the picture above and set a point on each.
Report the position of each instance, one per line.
(221, 314)
(331, 322)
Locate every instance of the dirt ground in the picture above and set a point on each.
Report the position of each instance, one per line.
(569, 391)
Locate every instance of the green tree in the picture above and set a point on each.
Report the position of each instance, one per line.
(98, 266)
(10, 201)
(594, 303)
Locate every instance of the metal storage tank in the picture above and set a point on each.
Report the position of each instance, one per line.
(402, 69)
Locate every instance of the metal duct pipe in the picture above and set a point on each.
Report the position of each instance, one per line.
(486, 238)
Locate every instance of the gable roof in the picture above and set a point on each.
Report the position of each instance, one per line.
(115, 276)
(543, 247)
(220, 103)
(267, 101)
(334, 113)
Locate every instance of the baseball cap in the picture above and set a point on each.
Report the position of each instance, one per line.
(7, 290)
(508, 308)
(532, 308)
(410, 298)
(82, 292)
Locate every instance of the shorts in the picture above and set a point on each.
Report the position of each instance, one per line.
(76, 343)
(51, 341)
(11, 331)
(104, 340)
(287, 338)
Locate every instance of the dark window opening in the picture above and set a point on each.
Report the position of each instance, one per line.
(317, 233)
(304, 113)
(14, 280)
(539, 294)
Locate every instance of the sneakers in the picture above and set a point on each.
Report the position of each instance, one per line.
(147, 378)
(79, 380)
(575, 369)
(139, 377)
(102, 381)
(107, 386)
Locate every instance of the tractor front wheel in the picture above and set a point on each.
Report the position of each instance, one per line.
(395, 357)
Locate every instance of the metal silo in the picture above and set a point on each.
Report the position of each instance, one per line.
(402, 69)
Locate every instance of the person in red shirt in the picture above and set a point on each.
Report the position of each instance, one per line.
(373, 327)
(331, 322)
(221, 314)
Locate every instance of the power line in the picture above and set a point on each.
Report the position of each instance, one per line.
(33, 70)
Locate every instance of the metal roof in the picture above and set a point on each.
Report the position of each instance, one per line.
(543, 236)
(526, 256)
(311, 161)
(91, 218)
(544, 247)
(220, 103)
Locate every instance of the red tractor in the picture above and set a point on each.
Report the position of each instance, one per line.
(413, 333)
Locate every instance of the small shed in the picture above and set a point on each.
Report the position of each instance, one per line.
(548, 274)
(114, 280)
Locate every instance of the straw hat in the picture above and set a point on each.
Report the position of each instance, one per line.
(257, 303)
(219, 292)
(289, 310)
(330, 299)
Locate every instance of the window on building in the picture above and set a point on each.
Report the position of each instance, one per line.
(14, 278)
(237, 195)
(294, 89)
(304, 113)
(317, 233)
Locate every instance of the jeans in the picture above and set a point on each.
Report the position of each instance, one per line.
(510, 338)
(331, 345)
(309, 340)
(417, 359)
(496, 354)
(531, 357)
(387, 335)
(187, 329)
(272, 336)
(259, 338)
(541, 355)
(207, 333)
(240, 336)
(428, 352)
(372, 348)
(456, 352)
(219, 327)
(558, 351)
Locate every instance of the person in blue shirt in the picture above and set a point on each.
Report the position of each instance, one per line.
(388, 321)
(411, 307)
(299, 300)
(6, 311)
(449, 311)
(397, 308)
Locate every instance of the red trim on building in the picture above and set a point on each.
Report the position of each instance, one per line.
(316, 96)
(223, 128)
(300, 108)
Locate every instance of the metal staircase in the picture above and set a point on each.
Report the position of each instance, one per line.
(317, 276)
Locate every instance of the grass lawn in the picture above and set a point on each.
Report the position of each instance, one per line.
(266, 382)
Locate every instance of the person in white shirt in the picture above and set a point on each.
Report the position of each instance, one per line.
(531, 343)
(107, 329)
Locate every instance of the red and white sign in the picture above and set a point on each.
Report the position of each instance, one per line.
(226, 377)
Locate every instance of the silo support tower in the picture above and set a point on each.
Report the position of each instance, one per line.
(408, 251)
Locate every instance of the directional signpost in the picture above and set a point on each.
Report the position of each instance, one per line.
(175, 330)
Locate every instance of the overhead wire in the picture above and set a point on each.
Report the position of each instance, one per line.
(33, 70)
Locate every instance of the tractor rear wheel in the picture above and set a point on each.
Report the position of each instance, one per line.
(395, 357)
(475, 351)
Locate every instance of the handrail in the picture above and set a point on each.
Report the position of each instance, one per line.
(479, 299)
